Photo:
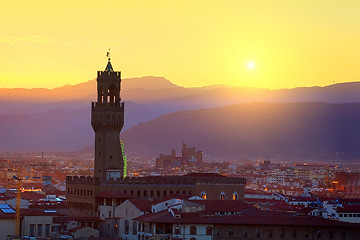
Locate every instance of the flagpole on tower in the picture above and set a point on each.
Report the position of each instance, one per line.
(108, 54)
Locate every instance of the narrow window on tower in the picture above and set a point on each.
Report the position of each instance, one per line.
(110, 157)
(99, 153)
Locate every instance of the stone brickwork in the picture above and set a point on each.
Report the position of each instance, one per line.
(81, 191)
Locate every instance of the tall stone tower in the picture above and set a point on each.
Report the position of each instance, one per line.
(107, 120)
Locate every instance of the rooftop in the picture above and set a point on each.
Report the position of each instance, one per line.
(260, 218)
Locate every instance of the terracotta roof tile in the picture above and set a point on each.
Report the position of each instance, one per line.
(263, 218)
(142, 204)
(224, 205)
(349, 208)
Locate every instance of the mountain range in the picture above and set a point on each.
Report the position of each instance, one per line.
(59, 118)
(280, 130)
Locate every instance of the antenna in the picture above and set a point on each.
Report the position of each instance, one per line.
(108, 54)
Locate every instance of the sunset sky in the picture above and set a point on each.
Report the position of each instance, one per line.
(271, 44)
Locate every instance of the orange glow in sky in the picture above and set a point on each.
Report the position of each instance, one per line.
(191, 43)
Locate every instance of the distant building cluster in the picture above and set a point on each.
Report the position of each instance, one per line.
(189, 157)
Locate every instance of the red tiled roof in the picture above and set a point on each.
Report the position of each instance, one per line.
(32, 196)
(303, 199)
(250, 191)
(264, 201)
(260, 218)
(349, 208)
(224, 205)
(66, 219)
(32, 185)
(38, 212)
(114, 194)
(5, 197)
(350, 200)
(204, 175)
(142, 204)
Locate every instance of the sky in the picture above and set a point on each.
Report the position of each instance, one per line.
(267, 44)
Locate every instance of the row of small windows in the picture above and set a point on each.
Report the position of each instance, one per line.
(152, 193)
(157, 193)
(235, 195)
(349, 214)
(79, 192)
(245, 233)
(100, 116)
(270, 234)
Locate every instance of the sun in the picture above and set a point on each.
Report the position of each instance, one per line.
(250, 65)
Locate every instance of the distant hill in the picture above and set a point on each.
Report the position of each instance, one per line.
(83, 90)
(48, 119)
(160, 91)
(282, 130)
(63, 129)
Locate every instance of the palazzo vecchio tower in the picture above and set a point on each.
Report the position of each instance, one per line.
(107, 120)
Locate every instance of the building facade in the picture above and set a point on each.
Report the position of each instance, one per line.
(81, 191)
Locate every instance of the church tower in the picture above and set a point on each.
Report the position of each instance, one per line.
(107, 120)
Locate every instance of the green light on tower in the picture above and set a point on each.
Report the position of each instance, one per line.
(124, 158)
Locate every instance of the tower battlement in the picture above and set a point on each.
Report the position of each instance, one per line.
(196, 179)
(108, 74)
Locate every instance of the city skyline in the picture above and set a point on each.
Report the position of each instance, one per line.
(272, 45)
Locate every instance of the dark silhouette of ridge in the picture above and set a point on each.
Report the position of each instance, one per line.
(303, 130)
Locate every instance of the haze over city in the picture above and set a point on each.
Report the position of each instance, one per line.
(189, 120)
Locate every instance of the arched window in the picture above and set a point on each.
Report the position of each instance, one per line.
(158, 193)
(100, 94)
(222, 196)
(164, 193)
(203, 195)
(193, 230)
(184, 192)
(209, 230)
(235, 196)
(111, 92)
(126, 227)
(145, 193)
(151, 193)
(132, 192)
(134, 232)
(138, 193)
(177, 229)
